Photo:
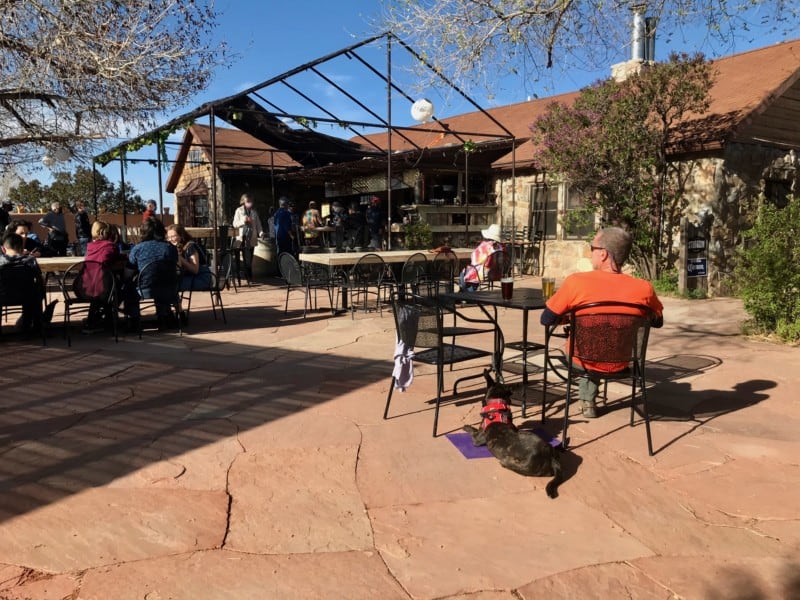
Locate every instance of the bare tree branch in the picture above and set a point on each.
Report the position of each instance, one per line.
(72, 71)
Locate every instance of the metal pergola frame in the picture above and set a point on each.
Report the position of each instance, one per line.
(245, 111)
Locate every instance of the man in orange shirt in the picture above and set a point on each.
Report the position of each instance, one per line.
(604, 283)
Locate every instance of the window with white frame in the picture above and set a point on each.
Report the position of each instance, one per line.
(195, 156)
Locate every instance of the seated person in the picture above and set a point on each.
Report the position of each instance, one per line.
(471, 276)
(152, 247)
(195, 274)
(21, 282)
(30, 240)
(102, 249)
(604, 283)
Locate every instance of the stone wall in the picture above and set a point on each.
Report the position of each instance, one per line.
(720, 198)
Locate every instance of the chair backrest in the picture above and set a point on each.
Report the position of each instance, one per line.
(414, 268)
(607, 336)
(442, 271)
(158, 280)
(369, 269)
(418, 322)
(497, 266)
(87, 281)
(289, 268)
(20, 284)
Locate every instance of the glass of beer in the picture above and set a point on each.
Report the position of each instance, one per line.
(507, 287)
(548, 287)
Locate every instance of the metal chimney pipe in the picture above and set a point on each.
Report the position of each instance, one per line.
(650, 34)
(638, 37)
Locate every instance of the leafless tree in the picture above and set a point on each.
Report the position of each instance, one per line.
(476, 42)
(73, 72)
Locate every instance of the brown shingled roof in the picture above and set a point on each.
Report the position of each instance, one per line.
(753, 99)
(234, 150)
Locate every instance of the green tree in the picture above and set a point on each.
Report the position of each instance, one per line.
(612, 146)
(68, 187)
(768, 270)
(73, 73)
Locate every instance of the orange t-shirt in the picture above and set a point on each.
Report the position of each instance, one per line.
(603, 286)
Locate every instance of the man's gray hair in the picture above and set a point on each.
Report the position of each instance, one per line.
(618, 243)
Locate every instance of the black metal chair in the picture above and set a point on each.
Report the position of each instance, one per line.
(214, 288)
(442, 271)
(413, 273)
(498, 265)
(157, 285)
(89, 287)
(22, 290)
(419, 326)
(610, 340)
(307, 279)
(369, 278)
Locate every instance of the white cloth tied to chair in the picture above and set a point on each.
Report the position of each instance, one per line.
(403, 372)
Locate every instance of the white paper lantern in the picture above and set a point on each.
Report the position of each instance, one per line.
(62, 154)
(422, 110)
(48, 161)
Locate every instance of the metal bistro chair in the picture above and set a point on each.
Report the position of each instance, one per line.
(93, 285)
(497, 265)
(157, 283)
(442, 271)
(307, 279)
(368, 278)
(607, 336)
(419, 326)
(413, 273)
(214, 288)
(22, 286)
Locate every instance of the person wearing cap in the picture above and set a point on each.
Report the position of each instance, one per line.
(472, 275)
(311, 220)
(375, 220)
(246, 220)
(284, 227)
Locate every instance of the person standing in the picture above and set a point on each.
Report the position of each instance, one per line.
(83, 229)
(246, 220)
(284, 227)
(311, 220)
(57, 237)
(604, 283)
(149, 211)
(375, 225)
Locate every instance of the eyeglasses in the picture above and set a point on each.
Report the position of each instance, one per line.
(597, 248)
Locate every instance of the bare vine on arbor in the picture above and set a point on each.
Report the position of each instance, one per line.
(477, 42)
(74, 72)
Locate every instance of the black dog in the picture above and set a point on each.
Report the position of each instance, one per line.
(522, 451)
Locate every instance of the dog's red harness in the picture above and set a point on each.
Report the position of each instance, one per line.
(495, 411)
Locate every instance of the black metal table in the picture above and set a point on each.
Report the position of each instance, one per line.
(524, 299)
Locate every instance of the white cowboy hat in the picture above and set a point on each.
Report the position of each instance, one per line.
(492, 232)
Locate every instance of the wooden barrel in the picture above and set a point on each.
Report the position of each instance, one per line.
(265, 261)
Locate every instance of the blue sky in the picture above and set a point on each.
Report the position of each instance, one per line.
(270, 37)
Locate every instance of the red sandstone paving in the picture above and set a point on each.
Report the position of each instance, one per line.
(251, 461)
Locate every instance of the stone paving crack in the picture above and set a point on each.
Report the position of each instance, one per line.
(369, 517)
(228, 484)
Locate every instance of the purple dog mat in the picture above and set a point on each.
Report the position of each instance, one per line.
(463, 441)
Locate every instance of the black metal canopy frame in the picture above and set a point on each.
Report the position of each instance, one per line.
(254, 113)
